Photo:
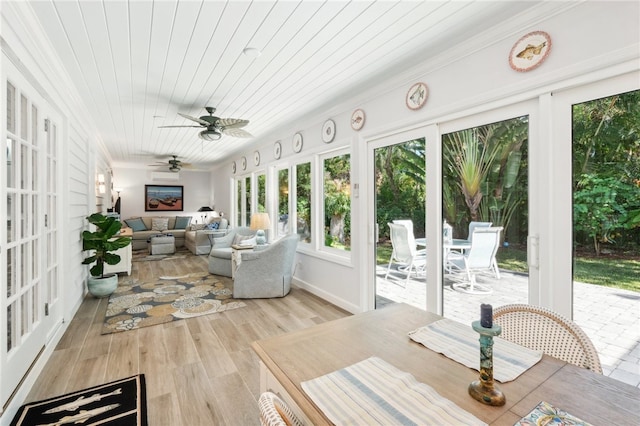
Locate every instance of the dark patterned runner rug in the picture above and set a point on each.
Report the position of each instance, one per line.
(140, 304)
(121, 403)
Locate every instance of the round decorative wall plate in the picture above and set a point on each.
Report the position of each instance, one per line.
(256, 158)
(357, 119)
(233, 167)
(277, 150)
(328, 131)
(530, 51)
(417, 96)
(297, 142)
(243, 163)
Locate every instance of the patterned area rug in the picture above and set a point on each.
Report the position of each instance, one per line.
(141, 304)
(144, 256)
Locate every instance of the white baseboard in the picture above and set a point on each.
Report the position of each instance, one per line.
(341, 303)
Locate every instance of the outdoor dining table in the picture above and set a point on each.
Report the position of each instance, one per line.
(289, 360)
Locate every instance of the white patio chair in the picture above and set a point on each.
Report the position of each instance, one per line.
(472, 227)
(478, 259)
(408, 223)
(405, 252)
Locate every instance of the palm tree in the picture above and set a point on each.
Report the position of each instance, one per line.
(471, 159)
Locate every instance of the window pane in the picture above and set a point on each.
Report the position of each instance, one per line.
(11, 326)
(11, 217)
(239, 199)
(337, 202)
(303, 201)
(24, 117)
(34, 169)
(283, 202)
(247, 196)
(11, 108)
(11, 163)
(606, 215)
(11, 271)
(262, 193)
(24, 160)
(34, 125)
(485, 183)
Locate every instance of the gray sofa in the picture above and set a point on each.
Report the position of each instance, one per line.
(268, 272)
(140, 237)
(198, 240)
(220, 254)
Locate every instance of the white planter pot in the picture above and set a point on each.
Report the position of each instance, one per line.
(102, 287)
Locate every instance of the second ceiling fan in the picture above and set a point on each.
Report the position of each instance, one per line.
(214, 126)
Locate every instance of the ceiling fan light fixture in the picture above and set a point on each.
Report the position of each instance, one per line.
(210, 135)
(174, 169)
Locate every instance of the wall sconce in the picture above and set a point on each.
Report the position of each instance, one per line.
(102, 188)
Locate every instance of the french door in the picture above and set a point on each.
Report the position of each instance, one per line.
(29, 296)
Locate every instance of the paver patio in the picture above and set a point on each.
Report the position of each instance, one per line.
(609, 316)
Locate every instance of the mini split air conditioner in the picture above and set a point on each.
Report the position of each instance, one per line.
(165, 176)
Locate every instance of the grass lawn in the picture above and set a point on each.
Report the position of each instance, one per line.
(603, 270)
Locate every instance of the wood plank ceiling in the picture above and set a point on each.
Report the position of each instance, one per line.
(137, 64)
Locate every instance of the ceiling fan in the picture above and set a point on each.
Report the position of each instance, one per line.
(215, 126)
(174, 164)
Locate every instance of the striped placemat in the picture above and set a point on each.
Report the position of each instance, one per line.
(374, 392)
(461, 343)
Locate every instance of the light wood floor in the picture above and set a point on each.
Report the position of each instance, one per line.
(199, 371)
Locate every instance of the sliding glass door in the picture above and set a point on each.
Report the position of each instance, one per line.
(485, 175)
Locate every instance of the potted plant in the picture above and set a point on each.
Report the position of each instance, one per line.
(102, 242)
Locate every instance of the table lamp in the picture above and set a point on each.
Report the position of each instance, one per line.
(205, 209)
(260, 222)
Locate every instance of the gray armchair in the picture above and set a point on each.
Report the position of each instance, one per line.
(267, 272)
(220, 254)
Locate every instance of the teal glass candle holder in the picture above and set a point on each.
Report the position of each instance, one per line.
(485, 390)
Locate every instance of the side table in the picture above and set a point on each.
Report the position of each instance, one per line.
(213, 233)
(236, 258)
(125, 255)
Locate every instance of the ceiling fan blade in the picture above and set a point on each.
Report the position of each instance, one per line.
(237, 133)
(160, 127)
(231, 123)
(197, 120)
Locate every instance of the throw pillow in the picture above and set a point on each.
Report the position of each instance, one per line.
(244, 240)
(182, 222)
(197, 227)
(213, 225)
(136, 224)
(159, 223)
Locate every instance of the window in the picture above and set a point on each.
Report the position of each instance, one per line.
(336, 183)
(283, 203)
(262, 192)
(303, 201)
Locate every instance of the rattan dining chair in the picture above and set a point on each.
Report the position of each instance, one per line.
(275, 412)
(543, 330)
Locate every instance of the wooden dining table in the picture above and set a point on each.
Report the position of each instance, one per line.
(292, 358)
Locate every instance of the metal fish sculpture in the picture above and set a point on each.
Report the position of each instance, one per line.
(530, 51)
(83, 415)
(74, 405)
